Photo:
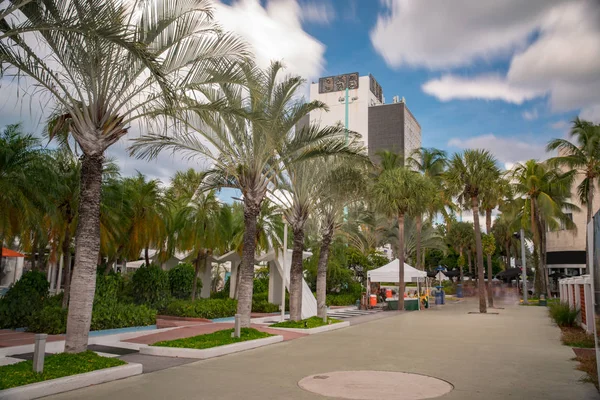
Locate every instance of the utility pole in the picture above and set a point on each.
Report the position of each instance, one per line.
(283, 267)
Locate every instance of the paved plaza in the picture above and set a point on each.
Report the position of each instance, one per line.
(514, 354)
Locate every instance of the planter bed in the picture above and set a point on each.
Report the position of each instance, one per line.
(211, 345)
(62, 372)
(313, 325)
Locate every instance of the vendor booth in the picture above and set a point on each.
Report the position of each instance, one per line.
(390, 273)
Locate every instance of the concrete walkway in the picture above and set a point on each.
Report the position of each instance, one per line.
(515, 354)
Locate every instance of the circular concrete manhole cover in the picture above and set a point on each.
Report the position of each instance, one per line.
(366, 385)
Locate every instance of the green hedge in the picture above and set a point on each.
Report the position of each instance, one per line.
(343, 299)
(202, 308)
(150, 286)
(53, 319)
(181, 280)
(122, 315)
(25, 297)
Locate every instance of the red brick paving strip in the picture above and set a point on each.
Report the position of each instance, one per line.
(189, 331)
(10, 338)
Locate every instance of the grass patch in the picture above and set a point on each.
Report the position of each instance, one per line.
(55, 366)
(312, 322)
(588, 365)
(215, 339)
(563, 314)
(577, 337)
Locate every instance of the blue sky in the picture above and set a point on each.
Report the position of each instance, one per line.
(502, 75)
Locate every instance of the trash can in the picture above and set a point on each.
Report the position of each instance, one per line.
(542, 301)
(459, 290)
(373, 300)
(438, 297)
(443, 297)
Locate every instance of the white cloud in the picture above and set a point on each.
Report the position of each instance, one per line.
(559, 125)
(508, 150)
(487, 87)
(552, 48)
(441, 34)
(275, 33)
(591, 113)
(530, 115)
(318, 12)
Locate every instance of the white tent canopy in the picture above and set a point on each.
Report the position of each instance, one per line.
(390, 273)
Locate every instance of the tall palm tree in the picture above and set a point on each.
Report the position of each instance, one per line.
(583, 156)
(460, 237)
(491, 198)
(22, 171)
(343, 185)
(469, 175)
(302, 185)
(394, 193)
(107, 65)
(250, 146)
(198, 232)
(544, 192)
(147, 225)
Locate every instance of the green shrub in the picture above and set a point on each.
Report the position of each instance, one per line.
(108, 288)
(120, 315)
(260, 303)
(342, 299)
(50, 319)
(563, 314)
(25, 297)
(150, 286)
(261, 285)
(181, 279)
(53, 319)
(202, 308)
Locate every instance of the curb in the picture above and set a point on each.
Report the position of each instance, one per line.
(312, 331)
(203, 354)
(68, 383)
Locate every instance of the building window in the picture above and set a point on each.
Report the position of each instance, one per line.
(563, 224)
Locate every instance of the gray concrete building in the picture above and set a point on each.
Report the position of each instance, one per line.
(393, 127)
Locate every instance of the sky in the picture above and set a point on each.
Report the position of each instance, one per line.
(506, 76)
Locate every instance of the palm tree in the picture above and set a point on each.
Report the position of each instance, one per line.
(250, 146)
(460, 237)
(582, 157)
(147, 222)
(395, 193)
(544, 192)
(490, 199)
(198, 231)
(110, 64)
(469, 175)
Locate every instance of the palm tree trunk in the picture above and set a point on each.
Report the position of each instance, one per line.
(401, 284)
(87, 248)
(1, 248)
(66, 251)
(322, 273)
(479, 249)
(507, 250)
(469, 261)
(544, 269)
(199, 260)
(296, 275)
(536, 245)
(246, 268)
(146, 256)
(460, 267)
(419, 226)
(488, 230)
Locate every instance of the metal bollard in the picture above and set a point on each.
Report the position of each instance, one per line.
(39, 352)
(237, 327)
